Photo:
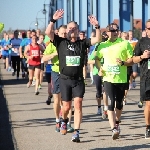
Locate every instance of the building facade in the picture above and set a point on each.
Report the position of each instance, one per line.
(78, 10)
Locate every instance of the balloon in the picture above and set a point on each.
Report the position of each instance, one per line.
(1, 27)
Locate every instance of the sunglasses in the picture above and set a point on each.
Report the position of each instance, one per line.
(113, 30)
(148, 28)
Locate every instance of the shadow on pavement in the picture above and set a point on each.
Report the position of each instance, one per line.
(133, 147)
(6, 137)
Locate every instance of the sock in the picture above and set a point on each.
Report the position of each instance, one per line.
(57, 120)
(77, 130)
(91, 75)
(99, 106)
(117, 122)
(105, 108)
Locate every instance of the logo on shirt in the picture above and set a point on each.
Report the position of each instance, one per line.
(70, 47)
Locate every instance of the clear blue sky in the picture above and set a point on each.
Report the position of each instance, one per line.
(21, 13)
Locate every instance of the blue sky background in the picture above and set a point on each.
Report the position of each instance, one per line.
(21, 14)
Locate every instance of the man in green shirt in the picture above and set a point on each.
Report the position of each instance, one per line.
(51, 53)
(117, 55)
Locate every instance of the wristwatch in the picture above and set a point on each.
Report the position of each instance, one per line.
(122, 63)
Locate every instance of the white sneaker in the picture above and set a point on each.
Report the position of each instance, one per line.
(131, 86)
(124, 102)
(115, 134)
(99, 112)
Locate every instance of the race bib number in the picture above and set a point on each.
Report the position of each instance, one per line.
(72, 60)
(148, 63)
(114, 69)
(35, 53)
(16, 50)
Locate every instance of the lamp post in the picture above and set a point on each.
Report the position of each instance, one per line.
(44, 12)
(31, 24)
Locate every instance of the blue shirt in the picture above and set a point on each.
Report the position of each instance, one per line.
(15, 43)
(24, 43)
(48, 68)
(4, 51)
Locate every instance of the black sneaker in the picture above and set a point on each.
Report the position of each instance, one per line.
(48, 102)
(13, 73)
(37, 93)
(23, 75)
(147, 134)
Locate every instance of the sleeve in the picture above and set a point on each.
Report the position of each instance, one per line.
(57, 40)
(22, 43)
(99, 53)
(88, 43)
(137, 50)
(50, 49)
(92, 56)
(129, 50)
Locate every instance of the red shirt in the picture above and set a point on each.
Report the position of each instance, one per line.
(35, 52)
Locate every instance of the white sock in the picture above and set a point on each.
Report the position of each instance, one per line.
(57, 120)
(105, 107)
(91, 75)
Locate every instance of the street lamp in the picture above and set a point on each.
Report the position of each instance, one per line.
(44, 12)
(31, 24)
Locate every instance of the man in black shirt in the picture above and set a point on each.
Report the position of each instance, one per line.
(142, 56)
(71, 53)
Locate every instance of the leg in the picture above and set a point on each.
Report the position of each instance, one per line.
(98, 82)
(56, 96)
(37, 76)
(18, 65)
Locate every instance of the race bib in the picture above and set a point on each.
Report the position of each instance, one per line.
(35, 52)
(72, 60)
(114, 69)
(16, 50)
(148, 63)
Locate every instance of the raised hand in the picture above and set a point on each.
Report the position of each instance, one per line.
(93, 20)
(58, 14)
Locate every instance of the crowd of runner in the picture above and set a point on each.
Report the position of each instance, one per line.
(64, 55)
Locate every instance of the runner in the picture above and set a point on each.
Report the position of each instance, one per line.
(15, 56)
(26, 41)
(125, 36)
(33, 52)
(71, 52)
(142, 56)
(133, 41)
(41, 42)
(97, 80)
(51, 51)
(117, 54)
(91, 49)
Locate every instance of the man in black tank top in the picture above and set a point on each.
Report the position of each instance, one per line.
(71, 53)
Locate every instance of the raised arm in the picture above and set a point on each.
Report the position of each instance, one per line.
(94, 22)
(50, 28)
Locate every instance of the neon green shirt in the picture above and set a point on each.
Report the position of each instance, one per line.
(49, 50)
(92, 57)
(121, 49)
